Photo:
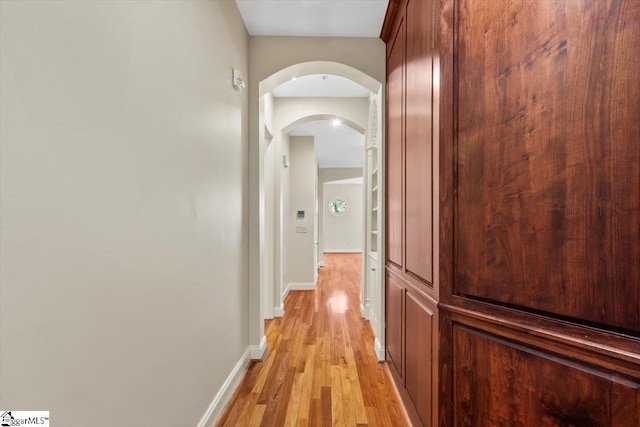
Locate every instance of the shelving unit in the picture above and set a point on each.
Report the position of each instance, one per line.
(373, 199)
(372, 307)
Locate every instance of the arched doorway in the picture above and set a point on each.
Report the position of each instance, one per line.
(267, 284)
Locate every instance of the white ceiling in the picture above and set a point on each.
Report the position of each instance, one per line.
(338, 146)
(318, 18)
(321, 85)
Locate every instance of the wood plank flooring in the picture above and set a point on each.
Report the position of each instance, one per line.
(320, 369)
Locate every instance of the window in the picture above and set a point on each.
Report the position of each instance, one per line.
(338, 206)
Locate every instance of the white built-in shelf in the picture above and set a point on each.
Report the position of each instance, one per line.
(373, 198)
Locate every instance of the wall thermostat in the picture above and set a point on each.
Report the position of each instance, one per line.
(300, 214)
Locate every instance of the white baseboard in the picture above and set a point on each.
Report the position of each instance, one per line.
(278, 311)
(343, 251)
(226, 391)
(301, 286)
(298, 286)
(285, 293)
(371, 315)
(378, 349)
(364, 312)
(257, 351)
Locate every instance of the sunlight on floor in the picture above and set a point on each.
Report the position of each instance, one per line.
(338, 302)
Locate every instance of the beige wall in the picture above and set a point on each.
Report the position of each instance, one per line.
(124, 233)
(303, 181)
(268, 55)
(326, 175)
(343, 233)
(284, 199)
(291, 110)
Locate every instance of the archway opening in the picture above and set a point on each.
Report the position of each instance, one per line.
(285, 115)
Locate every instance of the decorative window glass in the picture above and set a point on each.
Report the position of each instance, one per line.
(338, 206)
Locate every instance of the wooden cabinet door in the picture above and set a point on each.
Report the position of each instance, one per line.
(420, 353)
(499, 382)
(395, 146)
(547, 157)
(419, 142)
(394, 293)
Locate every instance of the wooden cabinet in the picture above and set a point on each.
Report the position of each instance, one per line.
(411, 311)
(394, 295)
(418, 170)
(395, 146)
(420, 356)
(548, 147)
(513, 211)
(539, 211)
(500, 382)
(412, 346)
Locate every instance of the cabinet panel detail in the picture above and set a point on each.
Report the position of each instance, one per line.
(419, 142)
(419, 354)
(395, 146)
(394, 312)
(500, 382)
(548, 156)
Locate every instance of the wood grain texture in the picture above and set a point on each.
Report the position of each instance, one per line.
(394, 297)
(607, 351)
(446, 150)
(418, 170)
(547, 156)
(419, 359)
(500, 382)
(389, 19)
(411, 307)
(320, 368)
(412, 346)
(538, 156)
(445, 370)
(395, 147)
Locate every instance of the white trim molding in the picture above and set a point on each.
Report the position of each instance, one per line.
(364, 312)
(257, 351)
(226, 391)
(378, 349)
(284, 294)
(278, 311)
(300, 286)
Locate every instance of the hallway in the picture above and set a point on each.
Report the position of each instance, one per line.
(320, 369)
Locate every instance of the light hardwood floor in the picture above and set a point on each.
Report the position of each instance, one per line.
(320, 369)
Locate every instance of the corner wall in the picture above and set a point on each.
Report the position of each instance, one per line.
(124, 208)
(300, 231)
